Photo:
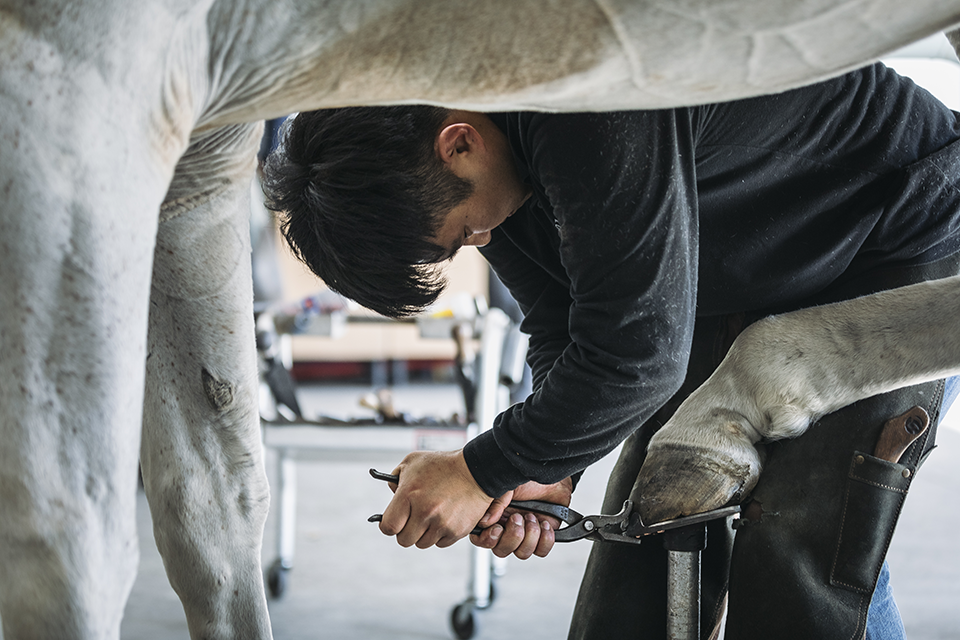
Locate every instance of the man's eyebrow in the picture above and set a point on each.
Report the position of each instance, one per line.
(441, 254)
(453, 252)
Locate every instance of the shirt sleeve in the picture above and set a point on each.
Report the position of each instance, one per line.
(611, 325)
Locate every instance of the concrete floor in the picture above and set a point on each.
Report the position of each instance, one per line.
(350, 582)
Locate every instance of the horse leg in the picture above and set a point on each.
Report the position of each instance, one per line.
(201, 452)
(72, 334)
(785, 372)
(76, 246)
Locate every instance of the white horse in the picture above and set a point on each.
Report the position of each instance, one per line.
(127, 142)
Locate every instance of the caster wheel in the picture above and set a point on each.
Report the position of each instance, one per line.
(277, 579)
(462, 621)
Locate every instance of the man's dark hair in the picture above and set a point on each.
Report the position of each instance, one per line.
(359, 193)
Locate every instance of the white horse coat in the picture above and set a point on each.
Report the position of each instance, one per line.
(127, 142)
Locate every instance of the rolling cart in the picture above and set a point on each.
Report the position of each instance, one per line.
(484, 372)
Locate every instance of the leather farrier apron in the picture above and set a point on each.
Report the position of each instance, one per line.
(805, 559)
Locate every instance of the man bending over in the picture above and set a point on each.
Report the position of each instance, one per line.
(637, 245)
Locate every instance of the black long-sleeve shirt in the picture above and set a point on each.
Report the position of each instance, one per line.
(641, 221)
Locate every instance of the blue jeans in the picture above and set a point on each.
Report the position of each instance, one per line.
(883, 618)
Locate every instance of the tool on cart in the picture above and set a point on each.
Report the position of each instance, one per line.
(625, 526)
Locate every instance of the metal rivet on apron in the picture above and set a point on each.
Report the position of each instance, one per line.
(859, 459)
(906, 473)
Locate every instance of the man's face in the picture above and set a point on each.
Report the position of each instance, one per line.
(498, 192)
(470, 222)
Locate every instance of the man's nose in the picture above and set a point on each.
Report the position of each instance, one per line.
(477, 239)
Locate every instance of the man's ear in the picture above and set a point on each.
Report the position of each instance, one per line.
(457, 142)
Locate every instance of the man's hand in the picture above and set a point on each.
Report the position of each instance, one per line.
(437, 501)
(522, 533)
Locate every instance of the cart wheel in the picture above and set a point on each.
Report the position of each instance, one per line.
(277, 578)
(462, 621)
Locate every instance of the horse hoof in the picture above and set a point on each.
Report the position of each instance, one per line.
(679, 480)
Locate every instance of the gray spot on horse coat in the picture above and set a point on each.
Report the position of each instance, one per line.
(218, 392)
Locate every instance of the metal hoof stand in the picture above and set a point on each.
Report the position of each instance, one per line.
(683, 580)
(684, 539)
